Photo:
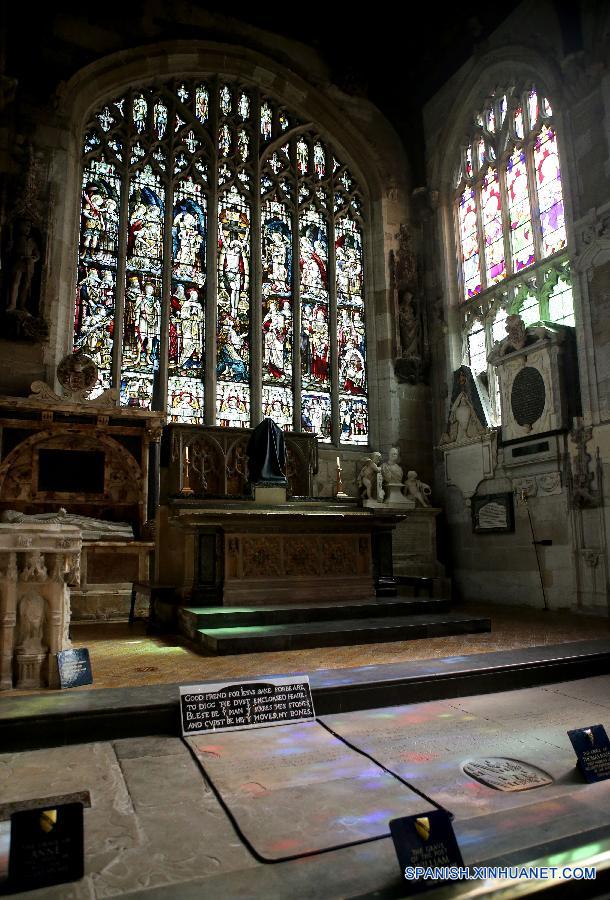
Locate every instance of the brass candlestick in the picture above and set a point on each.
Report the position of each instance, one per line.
(186, 486)
(340, 495)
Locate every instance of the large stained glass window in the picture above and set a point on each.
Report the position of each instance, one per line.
(509, 202)
(221, 261)
(510, 224)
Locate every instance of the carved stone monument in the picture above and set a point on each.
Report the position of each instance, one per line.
(538, 379)
(37, 563)
(469, 441)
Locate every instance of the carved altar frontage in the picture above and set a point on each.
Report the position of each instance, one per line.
(38, 562)
(96, 461)
(220, 544)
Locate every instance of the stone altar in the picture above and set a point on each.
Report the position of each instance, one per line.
(37, 562)
(217, 545)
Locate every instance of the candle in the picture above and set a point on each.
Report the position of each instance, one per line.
(338, 463)
(187, 455)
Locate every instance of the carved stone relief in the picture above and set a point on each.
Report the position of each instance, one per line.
(411, 363)
(35, 559)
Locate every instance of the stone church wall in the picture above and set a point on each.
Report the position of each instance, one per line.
(534, 42)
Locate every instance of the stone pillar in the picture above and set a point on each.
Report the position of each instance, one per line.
(8, 618)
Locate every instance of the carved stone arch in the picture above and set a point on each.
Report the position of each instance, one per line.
(18, 473)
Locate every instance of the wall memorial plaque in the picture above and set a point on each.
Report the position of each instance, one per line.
(505, 774)
(493, 514)
(74, 667)
(228, 706)
(425, 842)
(593, 751)
(528, 396)
(47, 847)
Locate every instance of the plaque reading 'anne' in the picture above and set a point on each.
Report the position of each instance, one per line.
(505, 774)
(528, 396)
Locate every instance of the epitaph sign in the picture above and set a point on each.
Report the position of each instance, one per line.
(592, 748)
(528, 396)
(426, 841)
(47, 847)
(74, 667)
(505, 774)
(255, 704)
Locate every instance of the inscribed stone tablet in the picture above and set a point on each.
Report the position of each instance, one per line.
(505, 774)
(228, 706)
(528, 396)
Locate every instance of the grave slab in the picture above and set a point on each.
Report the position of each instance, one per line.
(311, 791)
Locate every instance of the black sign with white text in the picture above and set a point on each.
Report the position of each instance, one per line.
(74, 667)
(228, 706)
(593, 751)
(423, 844)
(47, 847)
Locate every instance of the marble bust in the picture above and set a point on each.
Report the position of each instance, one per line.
(391, 471)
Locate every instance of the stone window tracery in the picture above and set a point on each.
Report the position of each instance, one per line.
(510, 224)
(220, 261)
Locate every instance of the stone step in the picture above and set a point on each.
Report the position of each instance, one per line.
(295, 636)
(195, 617)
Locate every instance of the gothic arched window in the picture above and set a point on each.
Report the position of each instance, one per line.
(220, 264)
(510, 224)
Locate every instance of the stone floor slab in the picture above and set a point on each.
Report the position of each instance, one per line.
(311, 791)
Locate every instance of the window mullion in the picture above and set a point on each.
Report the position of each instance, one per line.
(212, 266)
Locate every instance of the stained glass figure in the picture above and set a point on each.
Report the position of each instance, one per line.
(233, 404)
(266, 121)
(244, 106)
(142, 316)
(277, 295)
(319, 160)
(351, 334)
(521, 233)
(225, 100)
(302, 156)
(316, 415)
(202, 101)
(140, 109)
(532, 108)
(550, 197)
(224, 140)
(233, 362)
(160, 118)
(491, 215)
(354, 424)
(277, 405)
(471, 266)
(96, 283)
(187, 315)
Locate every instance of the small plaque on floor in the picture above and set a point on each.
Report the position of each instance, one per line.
(47, 847)
(74, 667)
(504, 774)
(424, 845)
(593, 751)
(254, 704)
